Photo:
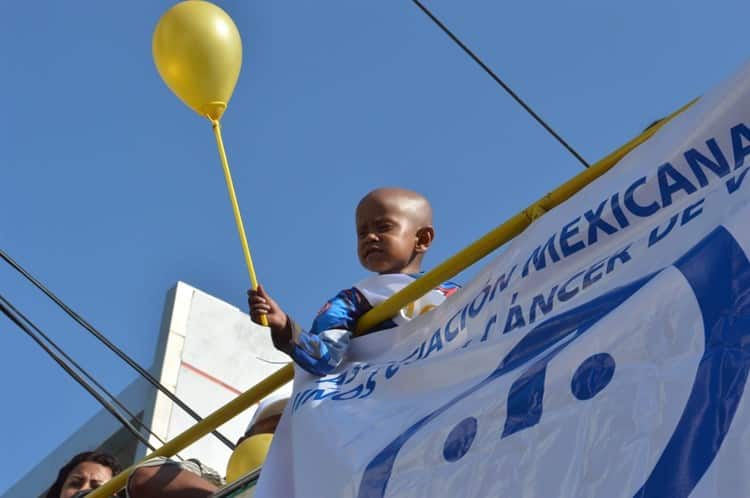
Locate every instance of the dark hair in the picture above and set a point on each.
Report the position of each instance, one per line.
(104, 459)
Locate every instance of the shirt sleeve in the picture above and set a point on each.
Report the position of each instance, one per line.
(321, 349)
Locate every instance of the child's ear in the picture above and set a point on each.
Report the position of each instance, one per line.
(425, 236)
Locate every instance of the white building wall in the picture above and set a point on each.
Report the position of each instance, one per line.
(212, 353)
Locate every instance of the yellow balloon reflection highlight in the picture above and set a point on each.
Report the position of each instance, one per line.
(197, 50)
(248, 456)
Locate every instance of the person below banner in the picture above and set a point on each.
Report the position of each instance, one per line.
(394, 232)
(166, 478)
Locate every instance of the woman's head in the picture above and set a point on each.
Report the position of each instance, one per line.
(87, 470)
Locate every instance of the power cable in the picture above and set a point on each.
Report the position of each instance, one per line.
(60, 352)
(14, 317)
(500, 82)
(142, 371)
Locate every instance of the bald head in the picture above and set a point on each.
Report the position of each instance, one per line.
(411, 204)
(394, 230)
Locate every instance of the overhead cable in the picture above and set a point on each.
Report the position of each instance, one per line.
(19, 320)
(90, 328)
(74, 364)
(500, 82)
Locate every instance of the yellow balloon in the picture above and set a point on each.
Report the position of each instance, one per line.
(249, 455)
(198, 52)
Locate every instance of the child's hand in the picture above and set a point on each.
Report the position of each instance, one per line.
(262, 304)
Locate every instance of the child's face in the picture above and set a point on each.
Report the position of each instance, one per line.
(387, 240)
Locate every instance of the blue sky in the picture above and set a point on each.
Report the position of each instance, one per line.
(112, 190)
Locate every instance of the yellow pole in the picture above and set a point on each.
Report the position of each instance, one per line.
(390, 306)
(191, 435)
(236, 208)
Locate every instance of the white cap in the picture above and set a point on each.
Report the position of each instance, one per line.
(271, 405)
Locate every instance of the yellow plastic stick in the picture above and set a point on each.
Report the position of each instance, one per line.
(390, 306)
(236, 208)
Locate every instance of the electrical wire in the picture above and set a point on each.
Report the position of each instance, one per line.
(60, 352)
(90, 328)
(16, 318)
(500, 82)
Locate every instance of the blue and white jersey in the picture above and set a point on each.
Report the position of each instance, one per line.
(321, 349)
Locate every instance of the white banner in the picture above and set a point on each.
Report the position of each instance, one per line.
(604, 353)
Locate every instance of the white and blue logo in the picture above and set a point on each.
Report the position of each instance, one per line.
(715, 347)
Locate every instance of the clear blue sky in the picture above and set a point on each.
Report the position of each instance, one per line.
(111, 189)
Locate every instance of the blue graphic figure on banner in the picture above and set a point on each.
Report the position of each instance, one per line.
(718, 273)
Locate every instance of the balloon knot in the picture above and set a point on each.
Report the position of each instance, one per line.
(213, 110)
